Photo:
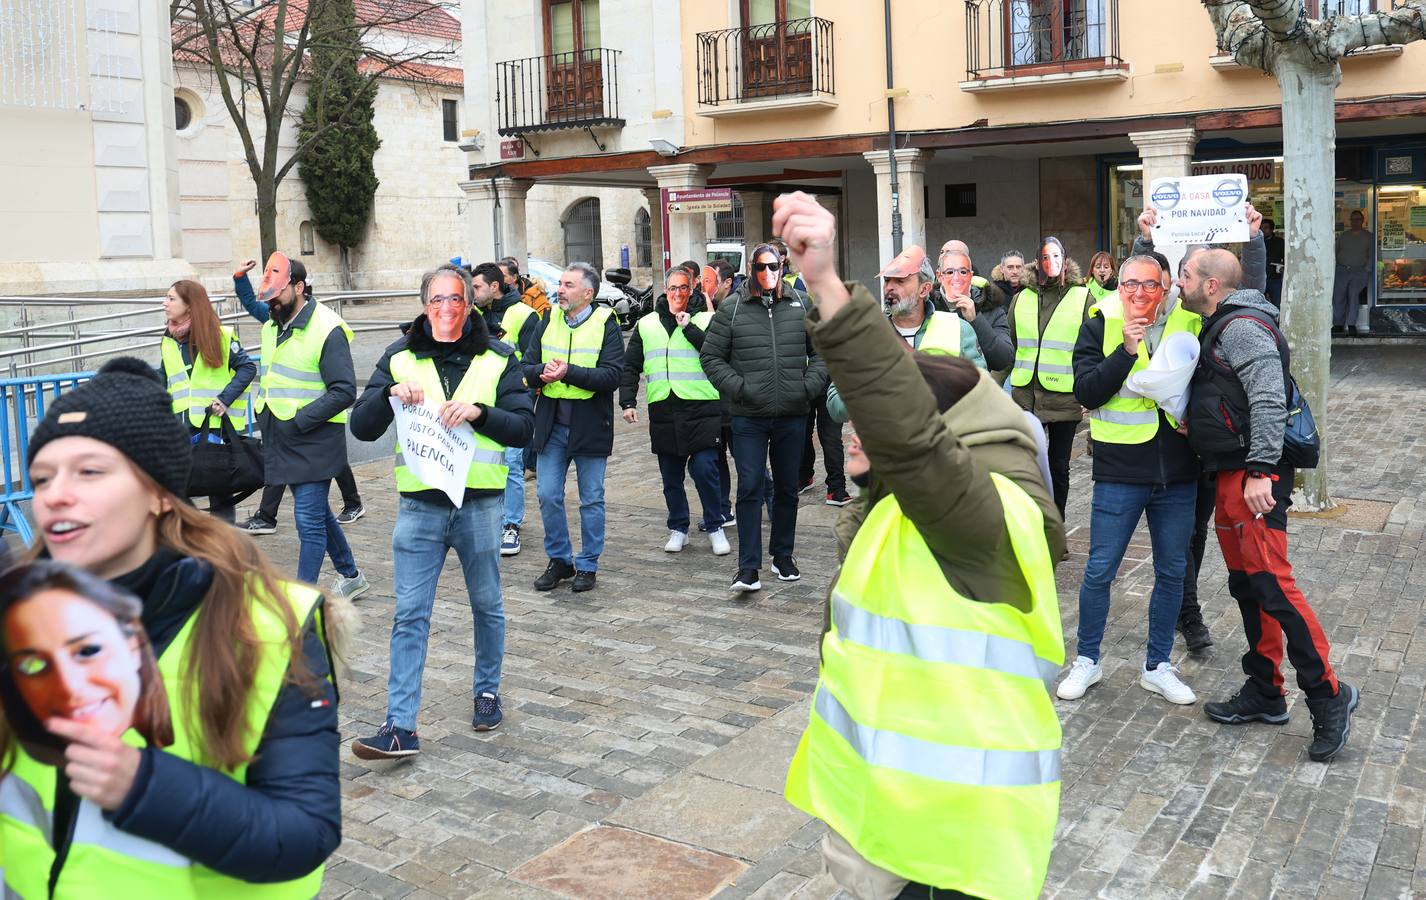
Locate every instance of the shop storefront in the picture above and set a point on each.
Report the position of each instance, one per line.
(1386, 184)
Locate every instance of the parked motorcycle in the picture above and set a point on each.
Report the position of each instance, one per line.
(635, 303)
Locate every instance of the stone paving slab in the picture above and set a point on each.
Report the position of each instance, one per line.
(660, 685)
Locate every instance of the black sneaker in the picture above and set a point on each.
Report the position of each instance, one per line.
(745, 581)
(258, 525)
(838, 498)
(785, 568)
(1248, 705)
(351, 513)
(1195, 634)
(555, 572)
(804, 486)
(1331, 722)
(389, 742)
(583, 581)
(487, 712)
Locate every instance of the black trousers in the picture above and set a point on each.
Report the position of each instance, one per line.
(756, 443)
(725, 479)
(1059, 436)
(914, 891)
(834, 456)
(272, 495)
(1190, 611)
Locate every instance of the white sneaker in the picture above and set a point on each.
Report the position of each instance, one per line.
(719, 540)
(352, 587)
(1162, 680)
(676, 540)
(1082, 674)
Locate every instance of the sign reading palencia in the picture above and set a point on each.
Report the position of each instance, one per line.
(1200, 209)
(438, 456)
(701, 200)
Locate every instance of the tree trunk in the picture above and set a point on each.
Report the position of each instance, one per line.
(267, 216)
(1308, 126)
(346, 268)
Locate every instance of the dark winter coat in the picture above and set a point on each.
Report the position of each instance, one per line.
(308, 447)
(510, 421)
(495, 315)
(591, 425)
(676, 426)
(992, 327)
(1048, 406)
(758, 354)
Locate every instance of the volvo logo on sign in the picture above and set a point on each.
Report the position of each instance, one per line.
(1165, 196)
(1228, 193)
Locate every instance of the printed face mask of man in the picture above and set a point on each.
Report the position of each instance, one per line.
(276, 275)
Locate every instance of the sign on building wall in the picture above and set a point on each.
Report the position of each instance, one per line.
(1202, 209)
(702, 200)
(512, 149)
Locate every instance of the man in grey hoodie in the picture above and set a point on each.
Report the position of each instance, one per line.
(1236, 420)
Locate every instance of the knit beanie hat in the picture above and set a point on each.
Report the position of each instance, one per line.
(127, 407)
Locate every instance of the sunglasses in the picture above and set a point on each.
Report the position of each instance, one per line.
(766, 267)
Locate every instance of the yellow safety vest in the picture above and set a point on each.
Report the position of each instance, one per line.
(194, 393)
(104, 861)
(291, 372)
(578, 347)
(1129, 417)
(1048, 356)
(942, 334)
(512, 321)
(670, 362)
(933, 747)
(978, 281)
(1097, 290)
(479, 385)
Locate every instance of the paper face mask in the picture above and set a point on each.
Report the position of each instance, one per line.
(275, 276)
(710, 281)
(768, 279)
(1143, 306)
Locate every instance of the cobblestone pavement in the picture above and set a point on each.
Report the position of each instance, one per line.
(649, 722)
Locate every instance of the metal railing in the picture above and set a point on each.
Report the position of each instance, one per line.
(22, 403)
(579, 89)
(776, 59)
(1016, 37)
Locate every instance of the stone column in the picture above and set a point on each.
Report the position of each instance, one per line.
(687, 232)
(496, 219)
(757, 217)
(1166, 154)
(653, 196)
(911, 187)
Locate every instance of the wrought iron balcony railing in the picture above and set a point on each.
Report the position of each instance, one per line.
(1020, 37)
(579, 89)
(760, 62)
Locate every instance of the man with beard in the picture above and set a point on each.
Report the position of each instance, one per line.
(981, 304)
(1012, 271)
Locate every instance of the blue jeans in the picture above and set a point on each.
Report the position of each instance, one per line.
(319, 532)
(1114, 516)
(424, 533)
(551, 469)
(703, 467)
(756, 442)
(515, 487)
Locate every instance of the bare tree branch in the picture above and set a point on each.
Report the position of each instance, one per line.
(1405, 23)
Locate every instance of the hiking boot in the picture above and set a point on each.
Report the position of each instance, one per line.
(1331, 722)
(583, 581)
(838, 498)
(389, 742)
(1163, 680)
(1082, 675)
(785, 568)
(1195, 634)
(555, 572)
(745, 581)
(351, 588)
(510, 541)
(1248, 705)
(258, 525)
(487, 712)
(350, 514)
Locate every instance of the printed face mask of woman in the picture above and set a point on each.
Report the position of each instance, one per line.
(767, 270)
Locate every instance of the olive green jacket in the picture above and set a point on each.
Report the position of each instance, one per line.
(1049, 406)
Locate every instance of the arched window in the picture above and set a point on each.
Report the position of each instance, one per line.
(304, 235)
(643, 239)
(583, 241)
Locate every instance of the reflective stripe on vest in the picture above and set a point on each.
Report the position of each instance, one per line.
(1048, 356)
(512, 322)
(933, 725)
(578, 347)
(671, 363)
(1129, 417)
(479, 385)
(942, 334)
(291, 372)
(105, 862)
(194, 393)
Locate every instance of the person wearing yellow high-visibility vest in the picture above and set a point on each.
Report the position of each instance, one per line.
(240, 797)
(516, 323)
(980, 303)
(447, 359)
(1044, 321)
(577, 370)
(206, 369)
(932, 747)
(1143, 466)
(308, 385)
(685, 412)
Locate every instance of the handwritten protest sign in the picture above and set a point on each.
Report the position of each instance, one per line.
(438, 456)
(1200, 209)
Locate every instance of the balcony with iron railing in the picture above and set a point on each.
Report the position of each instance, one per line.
(574, 90)
(1026, 43)
(787, 64)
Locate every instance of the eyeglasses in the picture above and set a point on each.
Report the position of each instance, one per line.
(959, 271)
(1148, 287)
(766, 267)
(452, 299)
(679, 289)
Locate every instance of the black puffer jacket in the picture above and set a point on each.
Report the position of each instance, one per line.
(676, 426)
(759, 356)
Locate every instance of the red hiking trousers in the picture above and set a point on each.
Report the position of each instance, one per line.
(1260, 579)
